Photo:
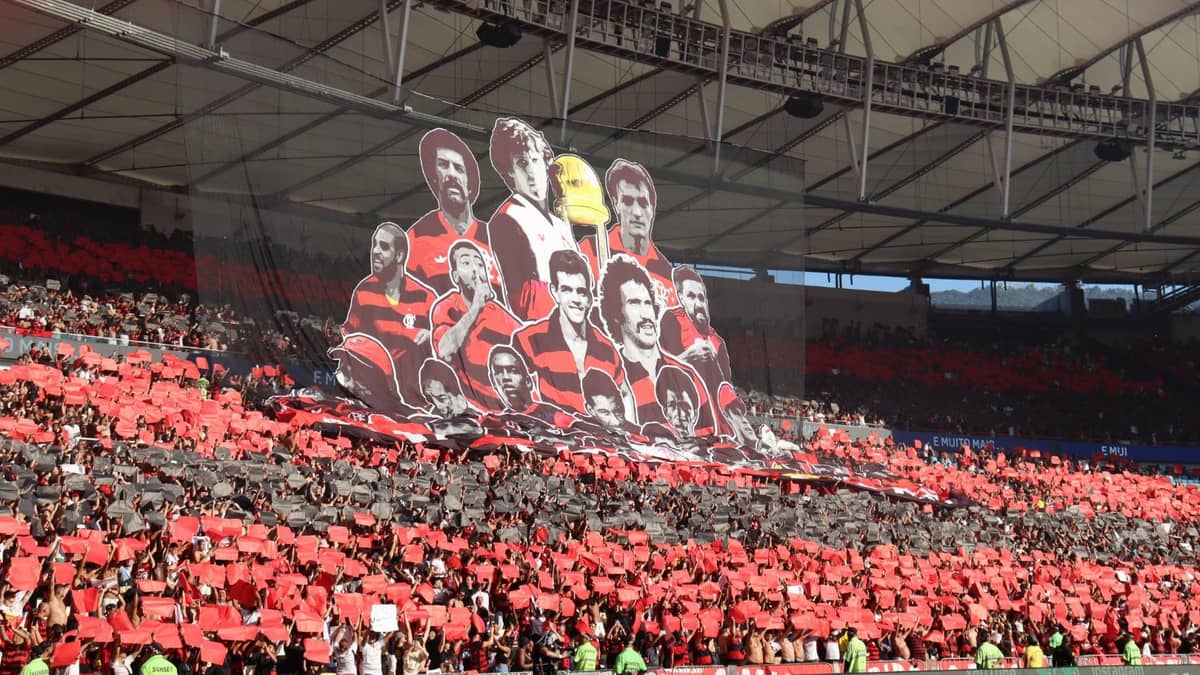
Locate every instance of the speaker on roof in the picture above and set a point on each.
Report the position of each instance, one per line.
(503, 36)
(804, 106)
(1112, 151)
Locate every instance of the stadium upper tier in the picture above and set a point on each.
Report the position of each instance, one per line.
(300, 96)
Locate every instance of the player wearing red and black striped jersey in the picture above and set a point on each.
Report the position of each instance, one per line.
(630, 312)
(452, 174)
(565, 345)
(688, 335)
(634, 200)
(393, 307)
(468, 322)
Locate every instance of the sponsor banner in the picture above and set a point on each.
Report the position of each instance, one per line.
(1153, 454)
(818, 668)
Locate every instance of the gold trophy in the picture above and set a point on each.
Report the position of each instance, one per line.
(579, 198)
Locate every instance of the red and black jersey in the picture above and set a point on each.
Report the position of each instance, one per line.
(678, 333)
(654, 262)
(396, 324)
(495, 325)
(544, 348)
(648, 409)
(429, 242)
(523, 236)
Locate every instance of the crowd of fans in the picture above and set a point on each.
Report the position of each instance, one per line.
(158, 506)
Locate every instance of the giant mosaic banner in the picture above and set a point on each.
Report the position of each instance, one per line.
(465, 320)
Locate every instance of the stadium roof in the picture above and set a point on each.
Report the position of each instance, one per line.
(114, 99)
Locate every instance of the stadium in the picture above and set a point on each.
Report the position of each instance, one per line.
(722, 337)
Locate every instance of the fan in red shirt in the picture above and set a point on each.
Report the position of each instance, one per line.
(468, 322)
(453, 176)
(634, 200)
(565, 345)
(393, 307)
(630, 312)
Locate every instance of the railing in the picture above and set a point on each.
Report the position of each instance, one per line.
(787, 65)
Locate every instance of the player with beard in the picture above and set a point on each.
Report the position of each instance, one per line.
(630, 312)
(634, 201)
(514, 385)
(393, 307)
(687, 333)
(452, 174)
(468, 322)
(523, 232)
(565, 345)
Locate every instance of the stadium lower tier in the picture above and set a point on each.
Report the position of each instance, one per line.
(149, 508)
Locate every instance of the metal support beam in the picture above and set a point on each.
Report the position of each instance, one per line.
(386, 33)
(709, 134)
(551, 79)
(832, 20)
(249, 87)
(58, 35)
(1009, 114)
(1126, 62)
(213, 24)
(568, 67)
(1152, 114)
(867, 97)
(719, 129)
(401, 50)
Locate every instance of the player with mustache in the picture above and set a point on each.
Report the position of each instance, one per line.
(630, 310)
(453, 177)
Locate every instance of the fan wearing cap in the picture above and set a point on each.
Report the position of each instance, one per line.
(156, 663)
(393, 306)
(365, 369)
(452, 174)
(468, 323)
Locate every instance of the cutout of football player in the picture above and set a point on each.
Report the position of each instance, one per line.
(565, 345)
(468, 322)
(442, 391)
(678, 399)
(366, 371)
(734, 410)
(634, 203)
(604, 405)
(511, 379)
(523, 232)
(393, 307)
(453, 414)
(630, 311)
(452, 174)
(688, 335)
